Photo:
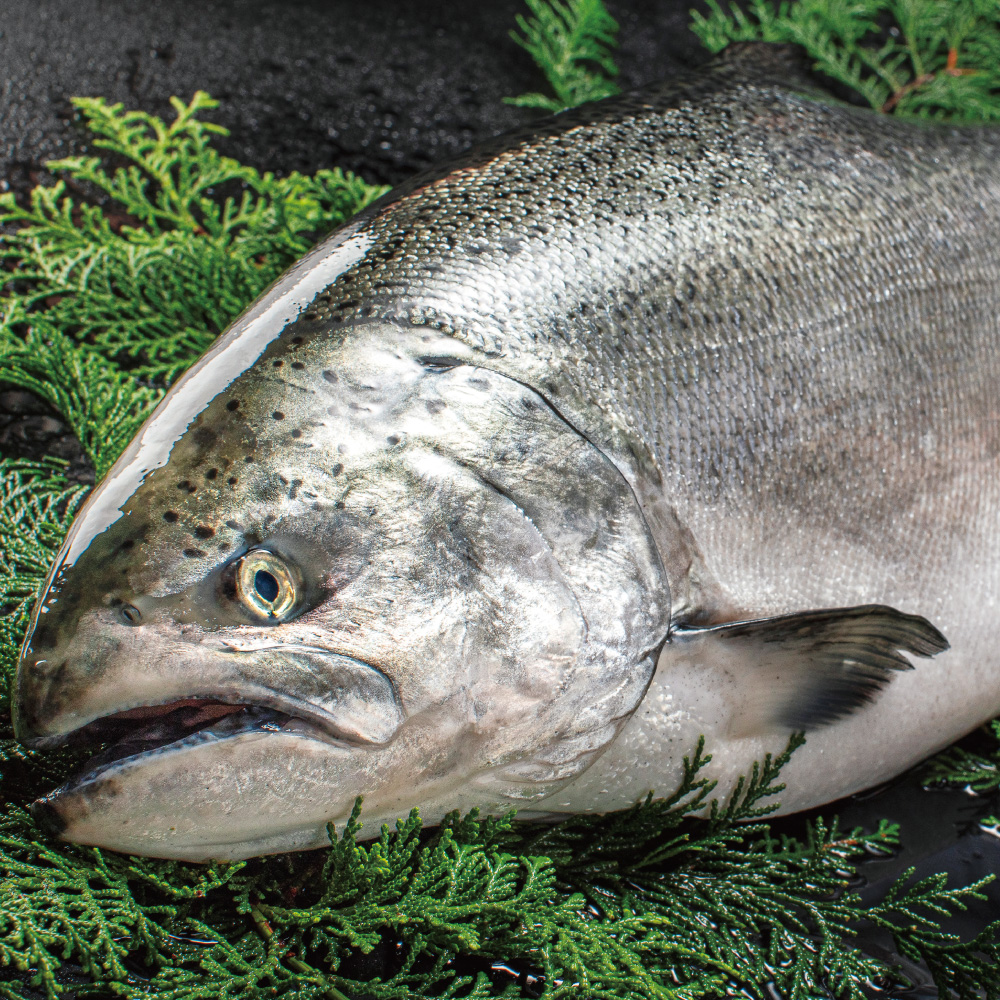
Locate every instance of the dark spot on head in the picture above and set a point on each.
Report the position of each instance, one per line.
(277, 364)
(204, 531)
(339, 505)
(296, 340)
(393, 439)
(235, 525)
(296, 433)
(337, 469)
(329, 375)
(248, 458)
(223, 546)
(211, 474)
(193, 553)
(184, 485)
(233, 480)
(170, 516)
(434, 405)
(278, 415)
(127, 544)
(204, 437)
(297, 365)
(233, 404)
(527, 403)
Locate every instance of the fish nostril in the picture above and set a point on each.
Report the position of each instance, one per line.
(130, 614)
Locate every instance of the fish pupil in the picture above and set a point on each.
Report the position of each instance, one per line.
(266, 585)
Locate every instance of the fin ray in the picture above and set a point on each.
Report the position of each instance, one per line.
(811, 668)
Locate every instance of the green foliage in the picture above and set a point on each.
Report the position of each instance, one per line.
(116, 279)
(926, 58)
(144, 266)
(570, 42)
(36, 508)
(648, 903)
(977, 769)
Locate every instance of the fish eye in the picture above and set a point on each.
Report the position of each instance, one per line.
(130, 614)
(265, 584)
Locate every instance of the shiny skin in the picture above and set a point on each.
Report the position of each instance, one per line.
(719, 349)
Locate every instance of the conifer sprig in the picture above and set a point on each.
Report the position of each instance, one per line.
(924, 58)
(977, 770)
(570, 42)
(182, 240)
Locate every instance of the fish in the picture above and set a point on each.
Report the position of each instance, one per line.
(674, 415)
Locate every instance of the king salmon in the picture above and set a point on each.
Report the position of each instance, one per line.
(675, 415)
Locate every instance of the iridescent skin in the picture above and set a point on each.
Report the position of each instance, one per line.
(713, 351)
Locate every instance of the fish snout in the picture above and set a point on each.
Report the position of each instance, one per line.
(54, 673)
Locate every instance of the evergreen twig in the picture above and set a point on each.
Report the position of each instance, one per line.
(570, 41)
(923, 58)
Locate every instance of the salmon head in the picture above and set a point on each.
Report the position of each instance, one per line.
(338, 560)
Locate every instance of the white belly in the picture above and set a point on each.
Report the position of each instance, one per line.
(950, 576)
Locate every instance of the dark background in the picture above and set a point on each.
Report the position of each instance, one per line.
(383, 88)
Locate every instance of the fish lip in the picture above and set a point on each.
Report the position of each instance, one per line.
(245, 719)
(110, 727)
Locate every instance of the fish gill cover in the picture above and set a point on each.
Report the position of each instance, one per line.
(116, 279)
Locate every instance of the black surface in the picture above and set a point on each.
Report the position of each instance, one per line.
(383, 87)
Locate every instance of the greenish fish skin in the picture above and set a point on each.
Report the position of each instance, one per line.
(678, 414)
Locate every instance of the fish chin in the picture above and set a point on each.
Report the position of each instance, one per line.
(254, 782)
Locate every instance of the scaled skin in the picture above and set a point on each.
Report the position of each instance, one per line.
(714, 351)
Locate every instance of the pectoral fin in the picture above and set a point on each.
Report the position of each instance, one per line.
(808, 669)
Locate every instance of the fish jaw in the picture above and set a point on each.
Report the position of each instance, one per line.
(254, 783)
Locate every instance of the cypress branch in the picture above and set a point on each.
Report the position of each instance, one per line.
(921, 58)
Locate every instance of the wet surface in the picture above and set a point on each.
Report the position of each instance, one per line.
(382, 88)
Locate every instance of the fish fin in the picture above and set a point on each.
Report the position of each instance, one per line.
(810, 668)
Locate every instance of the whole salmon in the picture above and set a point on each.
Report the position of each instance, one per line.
(678, 414)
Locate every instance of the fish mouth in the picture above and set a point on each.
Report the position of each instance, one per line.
(148, 729)
(186, 725)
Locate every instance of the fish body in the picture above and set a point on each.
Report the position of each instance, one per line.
(675, 416)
